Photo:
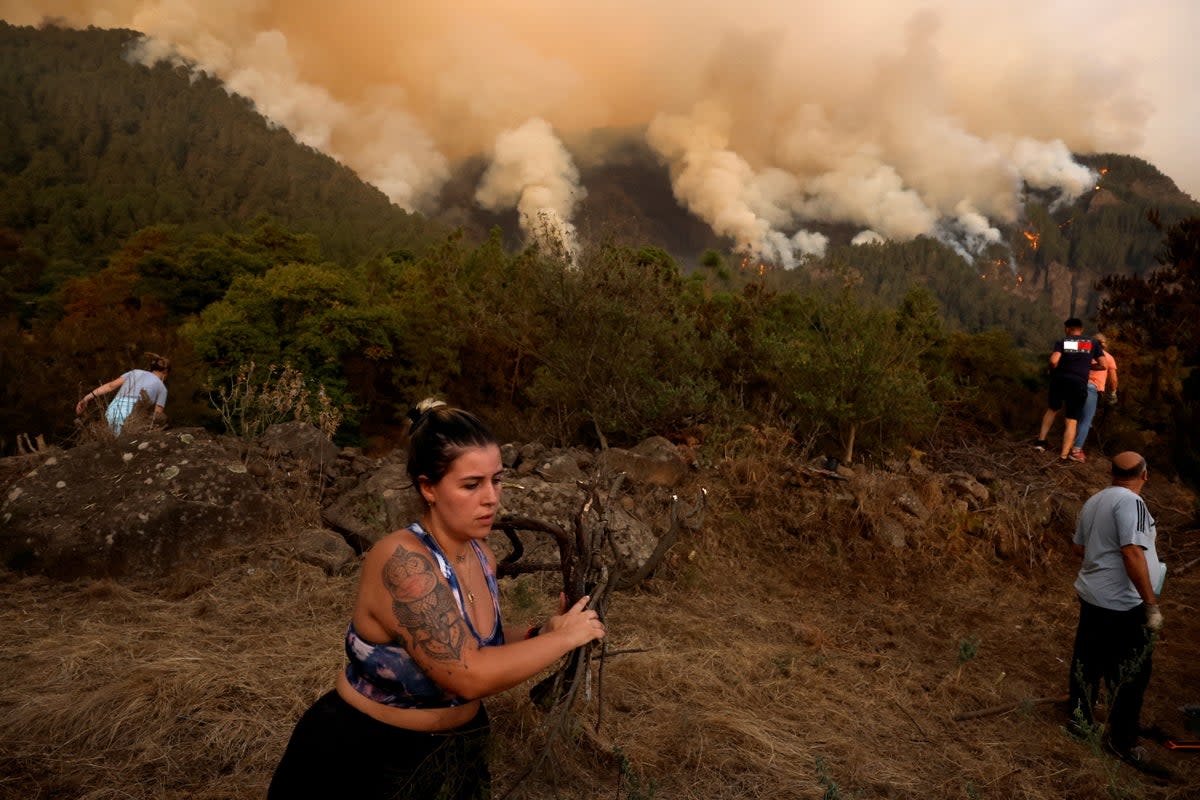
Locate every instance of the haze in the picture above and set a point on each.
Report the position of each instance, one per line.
(902, 118)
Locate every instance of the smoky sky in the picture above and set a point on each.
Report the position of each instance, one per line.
(901, 118)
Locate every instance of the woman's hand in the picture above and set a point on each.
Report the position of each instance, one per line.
(578, 623)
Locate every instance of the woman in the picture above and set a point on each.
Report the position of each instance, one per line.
(132, 385)
(425, 641)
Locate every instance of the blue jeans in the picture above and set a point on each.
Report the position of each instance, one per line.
(1085, 419)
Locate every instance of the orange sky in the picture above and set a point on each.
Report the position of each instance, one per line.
(902, 117)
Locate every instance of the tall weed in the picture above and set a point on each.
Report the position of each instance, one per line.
(255, 399)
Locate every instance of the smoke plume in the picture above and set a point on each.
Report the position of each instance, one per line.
(898, 118)
(532, 171)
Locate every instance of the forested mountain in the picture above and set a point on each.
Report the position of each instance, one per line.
(146, 209)
(93, 148)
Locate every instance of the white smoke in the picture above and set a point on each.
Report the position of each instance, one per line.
(896, 116)
(532, 171)
(1048, 165)
(867, 237)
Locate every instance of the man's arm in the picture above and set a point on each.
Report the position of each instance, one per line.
(1135, 566)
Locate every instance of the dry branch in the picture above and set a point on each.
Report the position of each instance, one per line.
(1005, 708)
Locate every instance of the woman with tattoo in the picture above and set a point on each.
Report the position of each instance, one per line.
(425, 642)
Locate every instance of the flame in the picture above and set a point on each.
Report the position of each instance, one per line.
(761, 267)
(1103, 172)
(1033, 238)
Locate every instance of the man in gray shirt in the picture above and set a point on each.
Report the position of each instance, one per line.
(1118, 607)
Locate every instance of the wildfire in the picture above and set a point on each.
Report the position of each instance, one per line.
(746, 265)
(1103, 172)
(1033, 238)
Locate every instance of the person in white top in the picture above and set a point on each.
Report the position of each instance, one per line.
(131, 388)
(1119, 616)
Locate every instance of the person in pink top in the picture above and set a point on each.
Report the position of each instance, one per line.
(1102, 379)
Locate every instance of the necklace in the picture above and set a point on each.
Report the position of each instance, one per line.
(470, 594)
(461, 561)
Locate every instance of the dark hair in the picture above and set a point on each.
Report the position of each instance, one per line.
(157, 363)
(438, 435)
(1073, 322)
(1129, 472)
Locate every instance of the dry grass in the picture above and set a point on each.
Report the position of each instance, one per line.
(783, 654)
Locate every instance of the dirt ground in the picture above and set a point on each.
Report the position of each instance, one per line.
(781, 653)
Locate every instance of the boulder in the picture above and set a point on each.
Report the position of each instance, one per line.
(974, 492)
(300, 441)
(378, 505)
(132, 506)
(655, 462)
(323, 548)
(633, 540)
(559, 468)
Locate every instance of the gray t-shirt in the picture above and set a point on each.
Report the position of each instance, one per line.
(1112, 519)
(139, 380)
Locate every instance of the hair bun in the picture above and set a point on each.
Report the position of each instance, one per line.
(422, 409)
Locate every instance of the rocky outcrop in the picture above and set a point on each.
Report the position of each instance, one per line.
(143, 505)
(163, 502)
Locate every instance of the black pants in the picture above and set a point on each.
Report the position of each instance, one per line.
(1115, 646)
(337, 751)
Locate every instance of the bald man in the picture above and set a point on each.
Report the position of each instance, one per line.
(1118, 607)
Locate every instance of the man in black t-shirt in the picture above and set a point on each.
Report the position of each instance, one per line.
(1069, 365)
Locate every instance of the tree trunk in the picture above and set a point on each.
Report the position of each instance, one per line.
(848, 455)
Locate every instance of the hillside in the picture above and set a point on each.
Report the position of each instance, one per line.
(889, 632)
(94, 148)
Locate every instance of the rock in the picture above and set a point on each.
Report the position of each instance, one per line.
(910, 503)
(975, 492)
(654, 461)
(301, 441)
(133, 506)
(556, 503)
(890, 530)
(382, 503)
(633, 540)
(323, 548)
(559, 467)
(509, 453)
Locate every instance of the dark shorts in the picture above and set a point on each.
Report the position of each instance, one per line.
(338, 751)
(1068, 394)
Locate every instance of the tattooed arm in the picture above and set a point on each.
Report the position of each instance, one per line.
(424, 607)
(417, 607)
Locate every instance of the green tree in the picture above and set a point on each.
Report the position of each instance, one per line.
(311, 317)
(1154, 317)
(622, 353)
(862, 368)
